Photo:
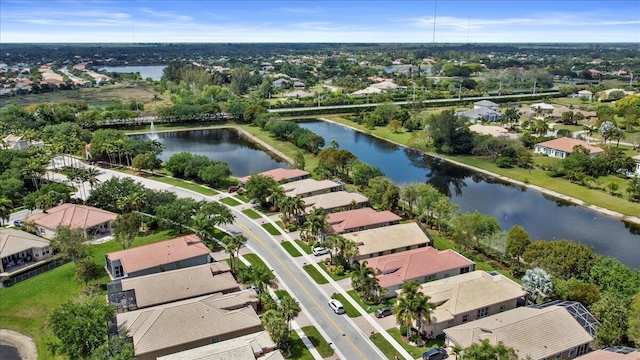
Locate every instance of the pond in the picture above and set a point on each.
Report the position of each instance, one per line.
(243, 156)
(151, 71)
(544, 217)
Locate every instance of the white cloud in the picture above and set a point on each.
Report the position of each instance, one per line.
(166, 15)
(311, 10)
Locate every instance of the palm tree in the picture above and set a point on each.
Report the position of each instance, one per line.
(297, 207)
(6, 205)
(540, 127)
(289, 308)
(316, 223)
(412, 306)
(422, 309)
(286, 207)
(203, 227)
(359, 277)
(262, 277)
(233, 245)
(276, 326)
(92, 176)
(276, 194)
(537, 283)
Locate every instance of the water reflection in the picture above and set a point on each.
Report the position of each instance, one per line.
(543, 216)
(243, 156)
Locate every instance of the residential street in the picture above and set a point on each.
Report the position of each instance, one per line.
(346, 338)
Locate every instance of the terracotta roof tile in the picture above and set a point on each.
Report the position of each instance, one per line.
(72, 215)
(364, 217)
(566, 144)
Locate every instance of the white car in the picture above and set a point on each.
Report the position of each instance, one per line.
(317, 251)
(336, 306)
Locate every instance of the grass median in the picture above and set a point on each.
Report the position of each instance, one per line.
(387, 349)
(318, 341)
(349, 309)
(298, 349)
(304, 246)
(229, 201)
(255, 260)
(250, 213)
(290, 249)
(315, 274)
(271, 229)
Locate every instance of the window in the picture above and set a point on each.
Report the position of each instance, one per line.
(450, 323)
(483, 312)
(464, 270)
(41, 230)
(502, 308)
(465, 318)
(215, 340)
(408, 248)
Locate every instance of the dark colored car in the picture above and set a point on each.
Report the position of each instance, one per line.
(384, 311)
(231, 189)
(435, 354)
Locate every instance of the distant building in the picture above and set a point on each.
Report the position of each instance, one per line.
(361, 219)
(480, 114)
(92, 221)
(585, 94)
(336, 201)
(256, 346)
(486, 104)
(19, 249)
(281, 175)
(563, 147)
(310, 187)
(388, 240)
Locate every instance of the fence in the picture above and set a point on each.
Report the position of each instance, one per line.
(14, 279)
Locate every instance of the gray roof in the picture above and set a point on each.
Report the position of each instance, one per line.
(170, 325)
(14, 241)
(478, 113)
(333, 200)
(485, 103)
(248, 347)
(181, 284)
(555, 330)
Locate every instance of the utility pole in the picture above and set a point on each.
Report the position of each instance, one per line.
(535, 82)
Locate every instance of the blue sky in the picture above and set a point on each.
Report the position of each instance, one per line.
(320, 21)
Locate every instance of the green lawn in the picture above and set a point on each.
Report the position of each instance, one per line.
(298, 350)
(387, 349)
(242, 198)
(281, 294)
(251, 213)
(334, 277)
(280, 225)
(290, 249)
(440, 242)
(348, 308)
(255, 260)
(304, 246)
(185, 185)
(26, 305)
(369, 307)
(229, 201)
(315, 274)
(271, 229)
(416, 351)
(318, 341)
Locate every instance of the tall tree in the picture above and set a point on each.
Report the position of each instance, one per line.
(537, 283)
(259, 187)
(125, 228)
(289, 308)
(6, 205)
(486, 351)
(517, 241)
(70, 243)
(79, 326)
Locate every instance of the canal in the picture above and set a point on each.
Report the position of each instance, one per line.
(544, 217)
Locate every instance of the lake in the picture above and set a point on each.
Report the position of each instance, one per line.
(149, 71)
(243, 156)
(544, 217)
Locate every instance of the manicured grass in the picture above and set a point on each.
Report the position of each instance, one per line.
(242, 198)
(241, 265)
(280, 225)
(290, 249)
(229, 201)
(369, 307)
(304, 246)
(271, 229)
(185, 185)
(440, 242)
(251, 213)
(348, 308)
(255, 260)
(416, 351)
(318, 341)
(25, 306)
(281, 294)
(298, 350)
(315, 274)
(387, 349)
(334, 277)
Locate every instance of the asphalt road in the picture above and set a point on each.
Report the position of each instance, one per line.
(348, 340)
(345, 336)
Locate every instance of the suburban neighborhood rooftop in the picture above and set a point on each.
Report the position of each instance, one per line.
(353, 219)
(72, 215)
(389, 237)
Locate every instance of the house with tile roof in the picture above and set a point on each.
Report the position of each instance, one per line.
(360, 219)
(336, 201)
(181, 252)
(92, 221)
(170, 328)
(310, 187)
(467, 297)
(139, 292)
(256, 346)
(486, 104)
(281, 175)
(389, 240)
(563, 147)
(19, 249)
(550, 332)
(422, 265)
(480, 114)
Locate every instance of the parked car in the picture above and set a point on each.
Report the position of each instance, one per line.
(384, 311)
(255, 288)
(232, 189)
(18, 223)
(435, 354)
(317, 251)
(336, 306)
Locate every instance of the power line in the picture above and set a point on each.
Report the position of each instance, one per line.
(435, 11)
